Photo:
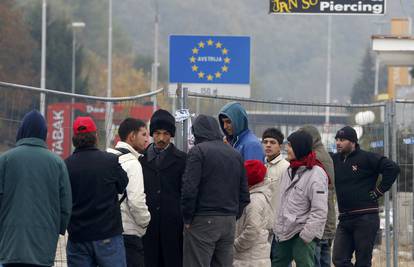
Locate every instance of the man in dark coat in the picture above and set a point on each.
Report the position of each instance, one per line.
(35, 198)
(163, 166)
(95, 228)
(215, 192)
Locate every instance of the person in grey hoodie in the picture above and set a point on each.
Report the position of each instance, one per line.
(323, 248)
(303, 209)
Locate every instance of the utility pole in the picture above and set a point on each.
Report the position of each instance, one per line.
(155, 64)
(43, 60)
(108, 111)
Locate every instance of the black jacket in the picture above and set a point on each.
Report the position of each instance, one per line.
(356, 175)
(214, 182)
(96, 179)
(162, 185)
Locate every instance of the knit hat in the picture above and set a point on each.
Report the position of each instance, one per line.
(347, 133)
(255, 170)
(83, 125)
(301, 143)
(162, 120)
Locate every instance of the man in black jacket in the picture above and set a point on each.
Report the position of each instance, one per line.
(356, 175)
(95, 227)
(215, 192)
(163, 166)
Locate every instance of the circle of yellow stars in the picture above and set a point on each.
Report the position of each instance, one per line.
(209, 76)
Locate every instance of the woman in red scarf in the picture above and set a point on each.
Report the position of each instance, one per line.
(301, 217)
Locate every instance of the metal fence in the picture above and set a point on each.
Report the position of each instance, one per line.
(390, 132)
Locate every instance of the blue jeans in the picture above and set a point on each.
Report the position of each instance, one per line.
(109, 252)
(323, 253)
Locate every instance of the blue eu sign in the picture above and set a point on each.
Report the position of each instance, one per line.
(209, 59)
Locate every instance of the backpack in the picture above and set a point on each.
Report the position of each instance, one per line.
(123, 151)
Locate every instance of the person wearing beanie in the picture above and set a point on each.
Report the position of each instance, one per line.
(234, 123)
(276, 165)
(214, 194)
(35, 197)
(303, 204)
(252, 244)
(163, 166)
(358, 189)
(95, 228)
(324, 246)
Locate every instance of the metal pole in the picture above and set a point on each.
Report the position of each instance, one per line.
(395, 228)
(43, 60)
(72, 113)
(180, 136)
(108, 111)
(184, 102)
(412, 203)
(387, 194)
(155, 64)
(328, 69)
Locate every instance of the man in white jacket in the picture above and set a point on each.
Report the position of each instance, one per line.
(135, 215)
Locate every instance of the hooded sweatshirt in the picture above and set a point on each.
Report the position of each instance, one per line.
(242, 139)
(35, 197)
(214, 181)
(326, 160)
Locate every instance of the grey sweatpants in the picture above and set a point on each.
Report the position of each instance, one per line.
(209, 242)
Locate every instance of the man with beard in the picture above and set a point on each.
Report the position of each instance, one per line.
(163, 166)
(357, 191)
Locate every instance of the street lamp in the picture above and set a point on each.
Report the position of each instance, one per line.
(155, 64)
(74, 25)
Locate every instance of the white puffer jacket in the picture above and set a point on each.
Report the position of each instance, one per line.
(134, 211)
(253, 230)
(275, 170)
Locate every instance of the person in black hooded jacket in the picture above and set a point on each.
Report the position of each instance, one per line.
(214, 194)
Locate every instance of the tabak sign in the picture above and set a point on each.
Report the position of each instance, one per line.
(334, 7)
(58, 120)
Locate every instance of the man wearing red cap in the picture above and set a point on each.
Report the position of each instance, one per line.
(254, 228)
(95, 228)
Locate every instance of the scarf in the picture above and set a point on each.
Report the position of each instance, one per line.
(308, 161)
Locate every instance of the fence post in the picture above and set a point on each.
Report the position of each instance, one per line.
(182, 137)
(395, 226)
(387, 126)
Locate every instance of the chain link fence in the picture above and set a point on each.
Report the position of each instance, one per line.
(385, 128)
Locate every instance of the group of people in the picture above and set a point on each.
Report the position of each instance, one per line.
(233, 200)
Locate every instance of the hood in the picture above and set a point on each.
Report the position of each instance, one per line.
(264, 188)
(238, 116)
(32, 126)
(316, 136)
(206, 128)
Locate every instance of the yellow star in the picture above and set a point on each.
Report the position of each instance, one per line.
(210, 42)
(218, 45)
(224, 51)
(218, 74)
(209, 77)
(224, 68)
(194, 68)
(227, 60)
(201, 44)
(192, 59)
(195, 50)
(201, 74)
